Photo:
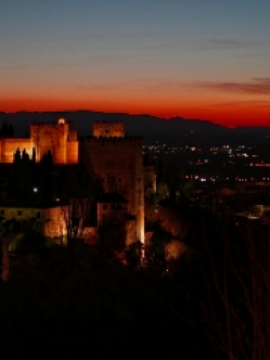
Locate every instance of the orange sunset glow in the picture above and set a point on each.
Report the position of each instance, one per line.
(230, 115)
(168, 59)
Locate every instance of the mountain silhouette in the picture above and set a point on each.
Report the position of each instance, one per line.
(176, 130)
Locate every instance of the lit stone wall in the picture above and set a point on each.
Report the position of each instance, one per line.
(50, 222)
(56, 138)
(9, 146)
(72, 152)
(56, 220)
(108, 129)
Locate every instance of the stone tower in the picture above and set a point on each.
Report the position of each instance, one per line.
(58, 138)
(108, 129)
(115, 161)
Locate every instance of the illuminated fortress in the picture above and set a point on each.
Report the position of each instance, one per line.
(112, 159)
(57, 138)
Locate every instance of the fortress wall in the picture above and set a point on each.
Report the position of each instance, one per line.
(108, 129)
(44, 138)
(57, 224)
(9, 147)
(60, 144)
(117, 164)
(140, 193)
(37, 127)
(72, 135)
(72, 149)
(54, 138)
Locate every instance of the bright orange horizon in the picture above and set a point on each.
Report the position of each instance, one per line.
(229, 116)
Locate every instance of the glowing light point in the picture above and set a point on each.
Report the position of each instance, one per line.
(61, 121)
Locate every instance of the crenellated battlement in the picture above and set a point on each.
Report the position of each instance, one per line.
(60, 122)
(108, 129)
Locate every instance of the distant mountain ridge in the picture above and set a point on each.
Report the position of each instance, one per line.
(176, 130)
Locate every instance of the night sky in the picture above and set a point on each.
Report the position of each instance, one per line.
(207, 59)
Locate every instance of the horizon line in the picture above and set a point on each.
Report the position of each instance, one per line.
(130, 114)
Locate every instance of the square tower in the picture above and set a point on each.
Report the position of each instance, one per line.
(116, 163)
(58, 138)
(108, 129)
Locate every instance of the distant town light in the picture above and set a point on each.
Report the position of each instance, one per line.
(35, 189)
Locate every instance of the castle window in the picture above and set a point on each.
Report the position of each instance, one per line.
(38, 215)
(104, 206)
(19, 212)
(2, 212)
(119, 179)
